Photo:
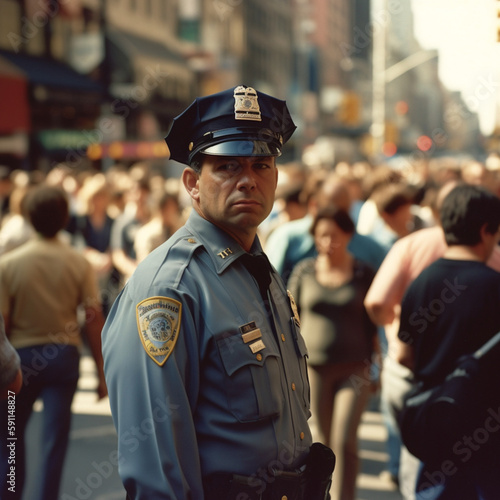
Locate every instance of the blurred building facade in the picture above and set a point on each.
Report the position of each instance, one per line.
(99, 81)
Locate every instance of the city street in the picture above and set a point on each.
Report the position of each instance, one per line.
(91, 473)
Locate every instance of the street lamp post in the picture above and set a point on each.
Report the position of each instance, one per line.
(381, 76)
(378, 84)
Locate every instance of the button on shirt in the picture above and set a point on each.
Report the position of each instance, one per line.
(214, 405)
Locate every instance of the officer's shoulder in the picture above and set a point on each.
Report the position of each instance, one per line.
(181, 246)
(170, 259)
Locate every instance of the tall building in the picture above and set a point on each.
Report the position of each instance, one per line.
(105, 72)
(46, 104)
(146, 64)
(334, 79)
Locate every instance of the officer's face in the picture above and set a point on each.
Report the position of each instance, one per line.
(235, 193)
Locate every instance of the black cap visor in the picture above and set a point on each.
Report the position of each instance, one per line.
(242, 148)
(239, 141)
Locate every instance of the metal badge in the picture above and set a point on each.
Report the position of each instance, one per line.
(257, 346)
(293, 305)
(246, 106)
(254, 334)
(158, 322)
(248, 327)
(225, 253)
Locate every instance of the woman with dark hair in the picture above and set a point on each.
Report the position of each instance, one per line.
(329, 291)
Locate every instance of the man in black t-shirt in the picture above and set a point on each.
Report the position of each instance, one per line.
(451, 309)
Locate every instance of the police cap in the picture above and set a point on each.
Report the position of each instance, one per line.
(236, 122)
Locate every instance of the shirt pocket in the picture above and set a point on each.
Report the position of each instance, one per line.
(253, 386)
(301, 347)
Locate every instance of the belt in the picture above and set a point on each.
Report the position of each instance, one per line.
(280, 485)
(312, 482)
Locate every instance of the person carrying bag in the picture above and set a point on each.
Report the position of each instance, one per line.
(435, 419)
(449, 317)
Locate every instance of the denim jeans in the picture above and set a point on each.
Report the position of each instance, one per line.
(396, 382)
(50, 372)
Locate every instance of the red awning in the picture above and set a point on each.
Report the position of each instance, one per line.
(14, 107)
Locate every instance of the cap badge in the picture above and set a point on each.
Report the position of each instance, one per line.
(246, 105)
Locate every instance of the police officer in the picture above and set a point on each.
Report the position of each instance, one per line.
(204, 361)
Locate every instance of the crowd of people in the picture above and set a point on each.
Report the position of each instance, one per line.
(398, 211)
(347, 239)
(115, 219)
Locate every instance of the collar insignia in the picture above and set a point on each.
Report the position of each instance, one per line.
(225, 253)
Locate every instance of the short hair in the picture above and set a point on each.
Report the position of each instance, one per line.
(162, 199)
(389, 198)
(337, 215)
(196, 163)
(47, 210)
(334, 192)
(465, 210)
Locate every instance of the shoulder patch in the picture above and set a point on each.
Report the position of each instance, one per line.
(158, 322)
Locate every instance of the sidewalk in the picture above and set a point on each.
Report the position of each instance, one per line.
(372, 451)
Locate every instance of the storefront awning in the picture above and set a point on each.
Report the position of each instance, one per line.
(14, 114)
(143, 67)
(51, 73)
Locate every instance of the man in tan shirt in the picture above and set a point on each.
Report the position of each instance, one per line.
(42, 285)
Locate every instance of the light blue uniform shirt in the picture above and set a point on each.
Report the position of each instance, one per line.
(204, 400)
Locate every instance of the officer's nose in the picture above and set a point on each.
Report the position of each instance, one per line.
(247, 179)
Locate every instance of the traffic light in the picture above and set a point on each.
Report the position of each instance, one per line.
(350, 108)
(391, 132)
(391, 138)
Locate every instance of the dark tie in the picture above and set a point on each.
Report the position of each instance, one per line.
(260, 268)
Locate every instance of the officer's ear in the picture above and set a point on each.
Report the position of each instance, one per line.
(190, 179)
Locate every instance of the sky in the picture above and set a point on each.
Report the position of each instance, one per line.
(464, 32)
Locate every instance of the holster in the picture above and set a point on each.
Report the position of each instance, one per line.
(320, 465)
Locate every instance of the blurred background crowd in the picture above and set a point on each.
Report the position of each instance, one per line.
(119, 216)
(89, 88)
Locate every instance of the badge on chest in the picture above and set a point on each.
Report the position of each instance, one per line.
(252, 336)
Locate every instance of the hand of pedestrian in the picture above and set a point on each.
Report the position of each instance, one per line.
(102, 390)
(13, 388)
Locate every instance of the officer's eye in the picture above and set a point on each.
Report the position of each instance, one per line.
(229, 166)
(261, 165)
